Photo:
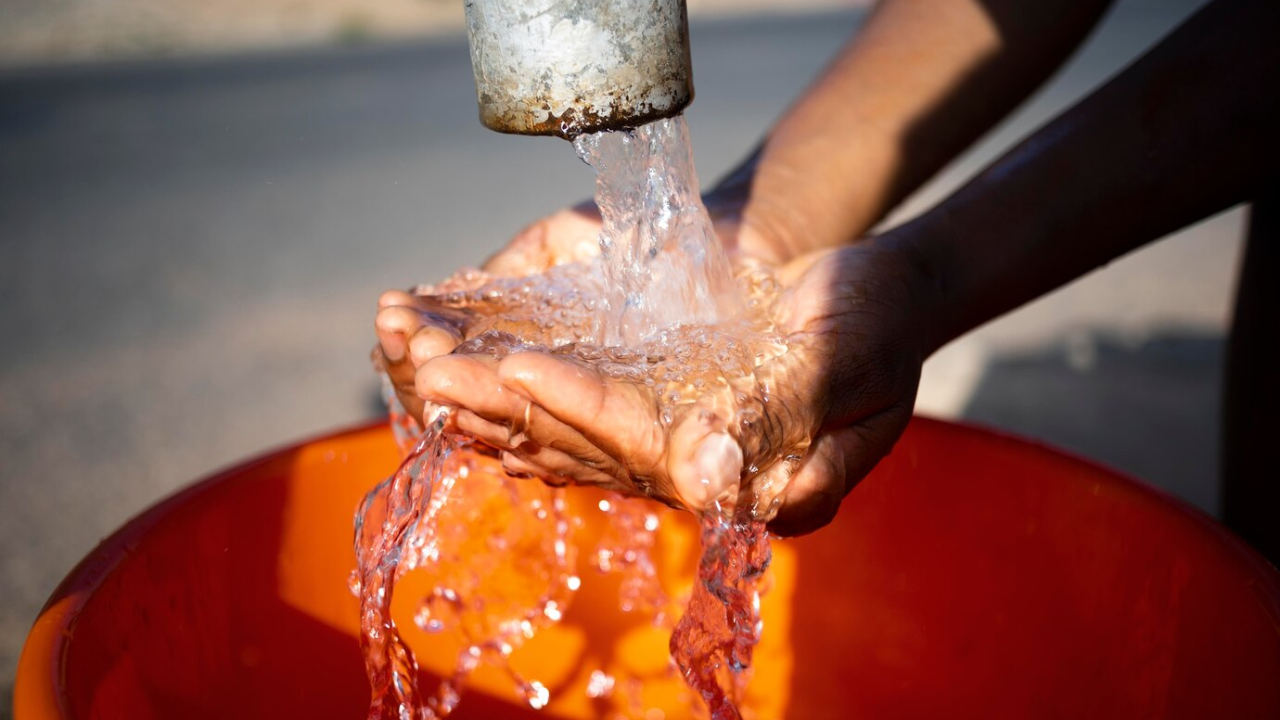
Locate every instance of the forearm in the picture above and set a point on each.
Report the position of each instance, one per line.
(1187, 131)
(921, 81)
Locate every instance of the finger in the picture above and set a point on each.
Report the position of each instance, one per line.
(432, 341)
(554, 462)
(616, 417)
(412, 405)
(463, 382)
(814, 492)
(495, 435)
(835, 464)
(469, 382)
(704, 461)
(407, 322)
(516, 467)
(394, 325)
(398, 298)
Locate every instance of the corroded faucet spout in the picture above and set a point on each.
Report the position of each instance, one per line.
(566, 67)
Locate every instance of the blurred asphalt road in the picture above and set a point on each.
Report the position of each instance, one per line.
(190, 254)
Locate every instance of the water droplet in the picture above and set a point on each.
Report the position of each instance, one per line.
(537, 695)
(600, 685)
(552, 611)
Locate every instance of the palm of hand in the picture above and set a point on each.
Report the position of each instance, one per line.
(411, 329)
(849, 379)
(848, 382)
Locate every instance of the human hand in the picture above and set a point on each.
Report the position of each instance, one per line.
(412, 328)
(855, 323)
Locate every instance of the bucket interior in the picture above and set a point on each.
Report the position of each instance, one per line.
(971, 575)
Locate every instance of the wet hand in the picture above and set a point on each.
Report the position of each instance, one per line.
(412, 329)
(854, 318)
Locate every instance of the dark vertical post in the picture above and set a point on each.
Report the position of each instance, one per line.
(1251, 401)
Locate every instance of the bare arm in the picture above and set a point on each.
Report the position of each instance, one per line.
(921, 81)
(1190, 129)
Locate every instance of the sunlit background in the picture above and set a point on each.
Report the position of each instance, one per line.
(200, 201)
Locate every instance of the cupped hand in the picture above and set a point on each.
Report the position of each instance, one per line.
(855, 325)
(412, 328)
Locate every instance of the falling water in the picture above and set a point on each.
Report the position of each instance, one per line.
(660, 307)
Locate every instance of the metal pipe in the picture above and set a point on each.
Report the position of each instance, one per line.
(565, 67)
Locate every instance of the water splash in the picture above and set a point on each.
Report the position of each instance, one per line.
(660, 308)
(502, 562)
(627, 549)
(714, 640)
(663, 264)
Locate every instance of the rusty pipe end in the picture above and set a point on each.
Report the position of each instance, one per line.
(567, 67)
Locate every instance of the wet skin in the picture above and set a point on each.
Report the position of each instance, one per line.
(1186, 131)
(572, 424)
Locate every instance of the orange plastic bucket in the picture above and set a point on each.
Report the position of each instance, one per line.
(972, 575)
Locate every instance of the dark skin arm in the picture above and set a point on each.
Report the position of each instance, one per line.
(1189, 130)
(919, 83)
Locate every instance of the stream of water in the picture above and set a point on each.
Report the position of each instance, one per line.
(660, 307)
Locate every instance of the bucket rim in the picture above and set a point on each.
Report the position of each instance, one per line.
(41, 668)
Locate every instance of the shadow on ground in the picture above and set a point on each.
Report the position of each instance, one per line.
(1146, 405)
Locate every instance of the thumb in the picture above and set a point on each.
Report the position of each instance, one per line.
(704, 462)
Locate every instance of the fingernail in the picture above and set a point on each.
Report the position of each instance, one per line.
(717, 465)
